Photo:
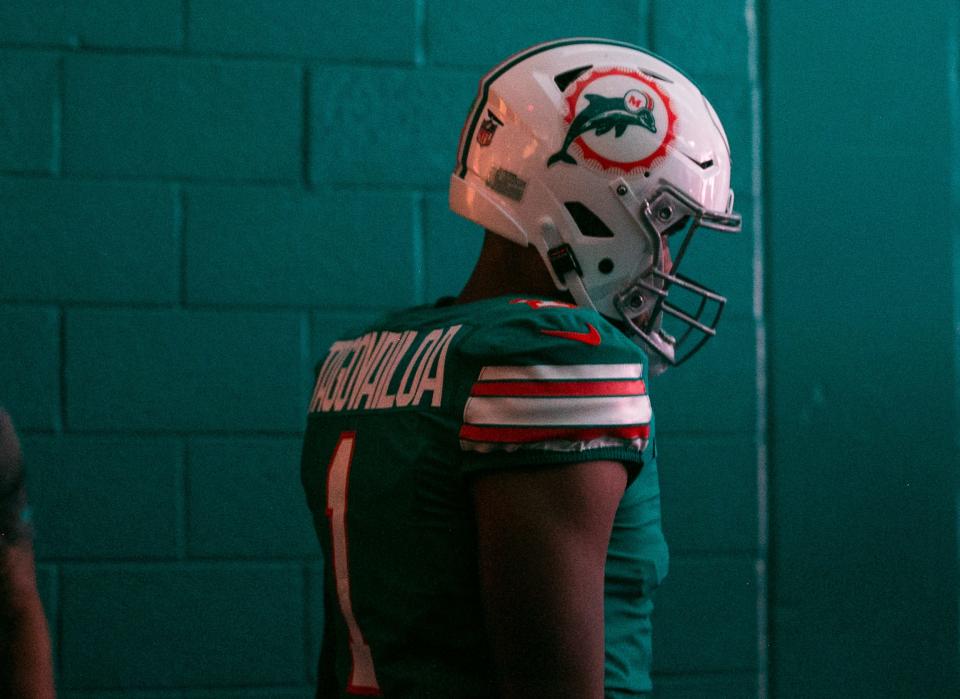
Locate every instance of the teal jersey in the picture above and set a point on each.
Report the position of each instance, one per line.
(401, 418)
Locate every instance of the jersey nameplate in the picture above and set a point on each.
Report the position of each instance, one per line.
(359, 374)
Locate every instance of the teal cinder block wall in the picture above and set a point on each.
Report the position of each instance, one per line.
(196, 196)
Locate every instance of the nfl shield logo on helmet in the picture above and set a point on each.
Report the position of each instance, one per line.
(487, 128)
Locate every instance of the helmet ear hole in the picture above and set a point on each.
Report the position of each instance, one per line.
(605, 266)
(588, 222)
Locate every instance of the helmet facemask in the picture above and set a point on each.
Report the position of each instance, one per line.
(671, 314)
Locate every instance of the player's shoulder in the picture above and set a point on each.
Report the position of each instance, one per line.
(552, 383)
(525, 329)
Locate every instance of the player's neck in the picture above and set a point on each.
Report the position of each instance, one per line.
(505, 268)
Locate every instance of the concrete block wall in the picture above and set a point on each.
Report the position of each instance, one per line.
(863, 312)
(195, 197)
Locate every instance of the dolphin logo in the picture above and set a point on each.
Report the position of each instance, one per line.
(604, 114)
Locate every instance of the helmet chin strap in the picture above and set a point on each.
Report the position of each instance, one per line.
(564, 264)
(664, 350)
(578, 291)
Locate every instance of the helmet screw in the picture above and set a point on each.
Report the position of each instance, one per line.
(665, 213)
(636, 301)
(621, 189)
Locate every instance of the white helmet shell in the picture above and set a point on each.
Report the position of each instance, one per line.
(592, 150)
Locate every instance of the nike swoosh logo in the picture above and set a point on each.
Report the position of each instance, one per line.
(591, 337)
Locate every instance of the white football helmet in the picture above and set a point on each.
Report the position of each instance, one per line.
(598, 153)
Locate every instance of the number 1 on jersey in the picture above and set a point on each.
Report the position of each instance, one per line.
(363, 679)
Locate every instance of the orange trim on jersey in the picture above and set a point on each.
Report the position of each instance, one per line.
(537, 304)
(559, 388)
(523, 435)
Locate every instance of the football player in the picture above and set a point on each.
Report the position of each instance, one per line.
(482, 472)
(26, 669)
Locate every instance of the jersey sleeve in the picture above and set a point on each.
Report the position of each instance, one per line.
(555, 385)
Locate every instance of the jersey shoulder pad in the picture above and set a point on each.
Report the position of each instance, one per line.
(555, 378)
(530, 330)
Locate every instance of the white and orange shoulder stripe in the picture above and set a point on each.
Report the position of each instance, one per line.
(556, 407)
